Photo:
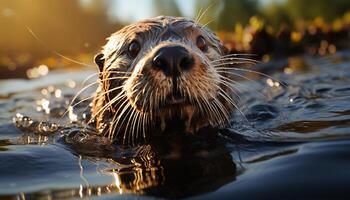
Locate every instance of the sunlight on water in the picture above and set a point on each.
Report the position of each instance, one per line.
(36, 72)
(286, 121)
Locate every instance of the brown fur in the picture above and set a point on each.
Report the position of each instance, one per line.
(140, 90)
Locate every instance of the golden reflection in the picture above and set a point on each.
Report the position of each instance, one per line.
(296, 64)
(305, 127)
(171, 168)
(41, 140)
(272, 83)
(147, 172)
(288, 70)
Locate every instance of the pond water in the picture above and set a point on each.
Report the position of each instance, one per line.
(293, 141)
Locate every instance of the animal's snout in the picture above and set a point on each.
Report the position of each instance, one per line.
(173, 60)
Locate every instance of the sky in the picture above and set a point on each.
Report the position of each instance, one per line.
(134, 10)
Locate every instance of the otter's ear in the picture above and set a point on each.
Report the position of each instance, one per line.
(100, 61)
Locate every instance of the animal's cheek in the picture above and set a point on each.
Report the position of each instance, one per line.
(212, 54)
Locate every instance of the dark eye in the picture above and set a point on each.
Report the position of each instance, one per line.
(201, 43)
(134, 49)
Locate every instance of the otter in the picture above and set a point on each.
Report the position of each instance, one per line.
(159, 73)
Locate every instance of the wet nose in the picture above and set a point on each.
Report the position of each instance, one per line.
(173, 60)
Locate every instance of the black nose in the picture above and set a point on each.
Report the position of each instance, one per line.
(173, 60)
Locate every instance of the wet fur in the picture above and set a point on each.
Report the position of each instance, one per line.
(131, 96)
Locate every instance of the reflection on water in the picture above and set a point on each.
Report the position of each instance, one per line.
(173, 167)
(311, 126)
(294, 137)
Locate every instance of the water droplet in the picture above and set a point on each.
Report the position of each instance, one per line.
(73, 117)
(45, 127)
(51, 88)
(22, 121)
(58, 93)
(44, 104)
(86, 116)
(272, 83)
(44, 91)
(269, 82)
(71, 84)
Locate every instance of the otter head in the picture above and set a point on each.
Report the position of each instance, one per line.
(158, 72)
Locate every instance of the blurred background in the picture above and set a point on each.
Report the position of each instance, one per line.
(33, 33)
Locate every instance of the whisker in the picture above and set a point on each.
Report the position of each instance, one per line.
(210, 21)
(230, 100)
(82, 90)
(126, 108)
(115, 122)
(125, 130)
(135, 127)
(76, 96)
(206, 10)
(198, 14)
(247, 70)
(232, 82)
(102, 73)
(111, 126)
(235, 74)
(211, 106)
(147, 119)
(129, 123)
(231, 87)
(224, 112)
(96, 96)
(119, 96)
(238, 54)
(53, 51)
(247, 60)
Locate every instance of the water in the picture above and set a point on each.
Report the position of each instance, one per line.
(293, 143)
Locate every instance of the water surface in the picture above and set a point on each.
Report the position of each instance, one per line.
(293, 141)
